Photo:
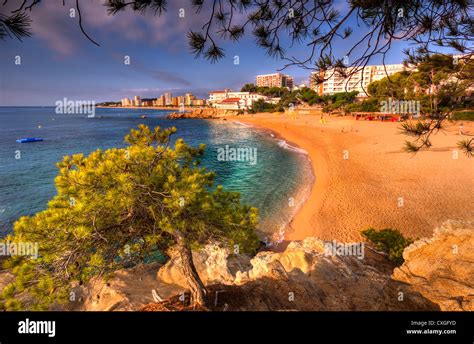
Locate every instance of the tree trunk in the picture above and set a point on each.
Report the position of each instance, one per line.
(196, 287)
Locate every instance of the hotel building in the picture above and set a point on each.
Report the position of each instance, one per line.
(188, 99)
(168, 98)
(180, 100)
(126, 102)
(274, 80)
(136, 101)
(358, 81)
(160, 101)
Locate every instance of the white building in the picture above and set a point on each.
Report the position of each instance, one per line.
(358, 81)
(136, 101)
(126, 102)
(168, 98)
(218, 96)
(233, 100)
(231, 104)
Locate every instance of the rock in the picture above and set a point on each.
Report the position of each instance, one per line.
(442, 268)
(303, 277)
(212, 265)
(207, 113)
(128, 289)
(438, 274)
(305, 274)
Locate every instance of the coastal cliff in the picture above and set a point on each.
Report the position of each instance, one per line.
(437, 274)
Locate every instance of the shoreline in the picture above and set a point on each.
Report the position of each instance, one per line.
(290, 225)
(348, 196)
(299, 217)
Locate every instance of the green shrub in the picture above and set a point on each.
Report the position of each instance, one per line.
(388, 240)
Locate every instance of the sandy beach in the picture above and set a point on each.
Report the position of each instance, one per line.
(363, 177)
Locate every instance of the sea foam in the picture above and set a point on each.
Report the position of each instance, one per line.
(286, 145)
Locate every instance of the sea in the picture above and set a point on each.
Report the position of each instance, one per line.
(277, 182)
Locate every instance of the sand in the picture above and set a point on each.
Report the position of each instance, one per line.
(378, 185)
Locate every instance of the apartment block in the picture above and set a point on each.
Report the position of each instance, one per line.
(274, 80)
(181, 100)
(126, 102)
(160, 101)
(136, 101)
(174, 101)
(358, 81)
(188, 98)
(168, 98)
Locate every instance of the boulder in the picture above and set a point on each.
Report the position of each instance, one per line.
(442, 268)
(126, 290)
(212, 264)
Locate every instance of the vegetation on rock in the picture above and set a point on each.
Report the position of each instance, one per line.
(388, 240)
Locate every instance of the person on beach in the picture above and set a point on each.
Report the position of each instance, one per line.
(461, 127)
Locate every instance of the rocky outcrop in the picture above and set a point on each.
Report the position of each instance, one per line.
(438, 274)
(305, 277)
(206, 113)
(442, 268)
(132, 289)
(212, 263)
(302, 277)
(127, 290)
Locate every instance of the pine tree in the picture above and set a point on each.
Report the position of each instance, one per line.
(116, 207)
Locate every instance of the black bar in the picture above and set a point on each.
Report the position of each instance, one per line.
(313, 327)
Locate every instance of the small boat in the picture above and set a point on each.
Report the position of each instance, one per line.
(143, 116)
(29, 139)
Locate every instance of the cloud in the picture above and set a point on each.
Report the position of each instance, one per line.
(50, 23)
(58, 25)
(156, 74)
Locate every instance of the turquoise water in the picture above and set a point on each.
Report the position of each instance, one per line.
(273, 184)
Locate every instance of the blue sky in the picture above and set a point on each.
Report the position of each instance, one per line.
(58, 61)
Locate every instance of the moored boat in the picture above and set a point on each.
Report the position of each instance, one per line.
(29, 139)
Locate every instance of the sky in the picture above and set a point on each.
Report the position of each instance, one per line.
(58, 61)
